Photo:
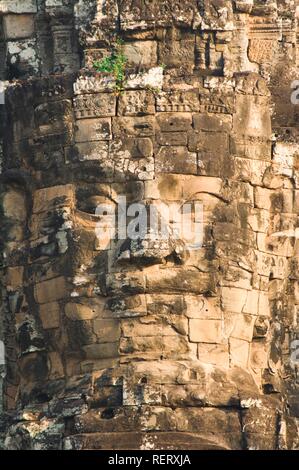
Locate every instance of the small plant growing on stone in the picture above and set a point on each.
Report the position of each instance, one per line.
(115, 65)
(154, 90)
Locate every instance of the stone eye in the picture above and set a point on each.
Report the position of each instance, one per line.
(91, 204)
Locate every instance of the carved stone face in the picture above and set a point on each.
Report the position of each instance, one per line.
(102, 299)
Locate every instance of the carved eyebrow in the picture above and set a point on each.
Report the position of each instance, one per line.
(192, 198)
(92, 207)
(91, 191)
(106, 196)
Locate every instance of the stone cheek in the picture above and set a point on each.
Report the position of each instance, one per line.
(140, 344)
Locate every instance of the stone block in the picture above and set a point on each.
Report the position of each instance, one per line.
(148, 326)
(14, 277)
(93, 151)
(276, 246)
(264, 304)
(284, 155)
(151, 79)
(239, 352)
(76, 312)
(233, 299)
(262, 417)
(89, 130)
(213, 144)
(236, 277)
(54, 119)
(276, 289)
(55, 196)
(172, 187)
(156, 347)
(50, 315)
(165, 304)
(130, 306)
(158, 372)
(238, 190)
(177, 53)
(220, 166)
(136, 103)
(178, 101)
(141, 440)
(251, 304)
(229, 231)
(217, 354)
(202, 307)
(56, 369)
(93, 365)
(139, 147)
(212, 122)
(143, 169)
(205, 331)
(158, 418)
(51, 290)
(176, 160)
(24, 53)
(259, 220)
(14, 205)
(125, 283)
(268, 264)
(201, 184)
(141, 53)
(207, 420)
(106, 330)
(174, 122)
(138, 126)
(255, 148)
(252, 117)
(283, 200)
(263, 198)
(95, 105)
(165, 187)
(134, 190)
(172, 138)
(250, 170)
(103, 241)
(242, 326)
(18, 26)
(15, 6)
(80, 333)
(180, 280)
(101, 351)
(259, 354)
(153, 15)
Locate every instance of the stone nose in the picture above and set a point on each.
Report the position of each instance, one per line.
(151, 251)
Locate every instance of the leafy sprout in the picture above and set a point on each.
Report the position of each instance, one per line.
(115, 65)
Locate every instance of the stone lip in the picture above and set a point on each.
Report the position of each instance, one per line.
(145, 441)
(120, 409)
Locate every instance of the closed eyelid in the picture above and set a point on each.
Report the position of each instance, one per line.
(88, 204)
